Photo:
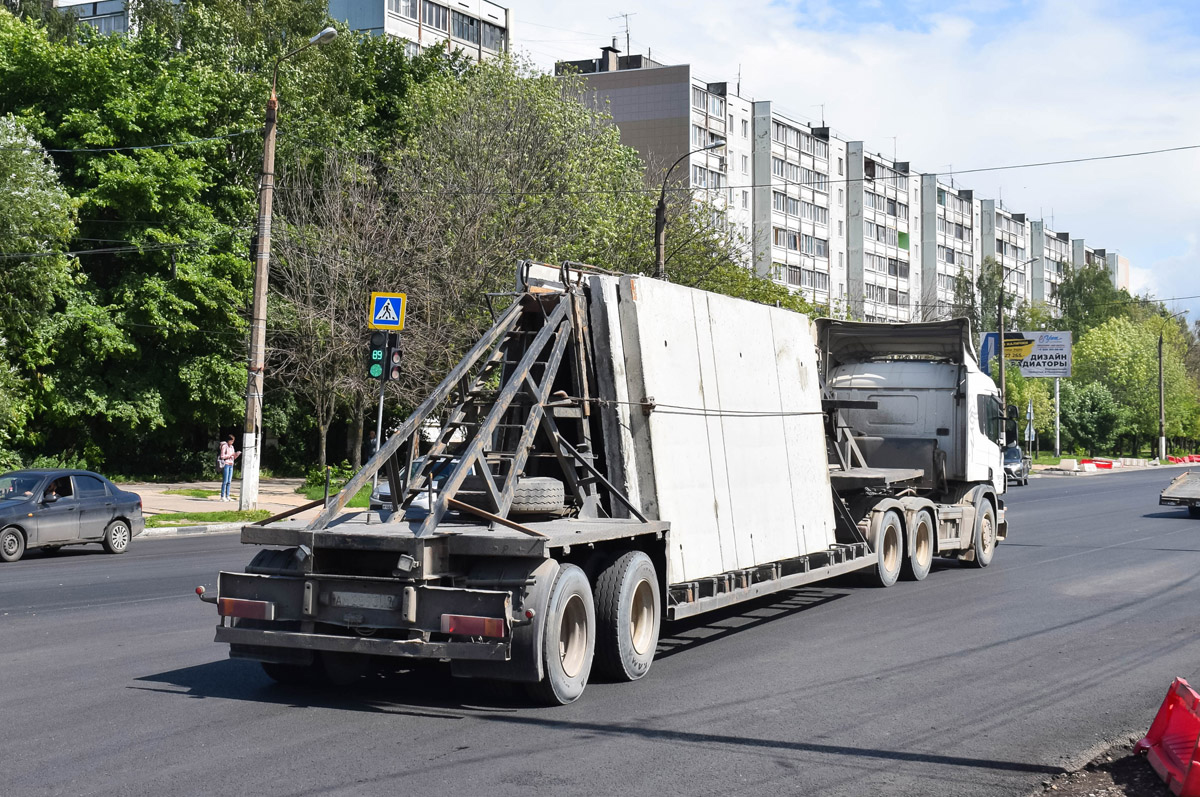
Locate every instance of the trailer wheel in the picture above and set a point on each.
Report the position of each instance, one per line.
(291, 674)
(628, 616)
(889, 550)
(985, 533)
(568, 639)
(1194, 511)
(917, 564)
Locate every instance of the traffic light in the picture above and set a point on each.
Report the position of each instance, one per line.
(377, 355)
(393, 360)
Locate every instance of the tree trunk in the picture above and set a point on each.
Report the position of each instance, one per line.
(323, 433)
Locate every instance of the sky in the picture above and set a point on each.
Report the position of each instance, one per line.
(953, 86)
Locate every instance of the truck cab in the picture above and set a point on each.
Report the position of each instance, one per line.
(932, 406)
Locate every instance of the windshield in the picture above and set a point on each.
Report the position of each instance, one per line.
(17, 486)
(1012, 454)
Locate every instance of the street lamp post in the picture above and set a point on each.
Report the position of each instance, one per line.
(252, 431)
(1162, 406)
(660, 215)
(1004, 272)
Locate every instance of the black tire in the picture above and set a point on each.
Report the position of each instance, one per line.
(568, 639)
(12, 544)
(533, 495)
(924, 536)
(628, 616)
(1194, 511)
(985, 533)
(291, 674)
(537, 495)
(889, 547)
(117, 536)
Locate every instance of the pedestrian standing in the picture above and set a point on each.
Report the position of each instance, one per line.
(225, 459)
(370, 446)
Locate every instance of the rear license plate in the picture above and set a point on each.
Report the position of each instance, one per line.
(363, 600)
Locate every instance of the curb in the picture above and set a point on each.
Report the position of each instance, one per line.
(182, 531)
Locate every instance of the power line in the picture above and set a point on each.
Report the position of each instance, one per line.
(815, 184)
(134, 147)
(101, 251)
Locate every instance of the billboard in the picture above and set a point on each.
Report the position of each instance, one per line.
(1039, 353)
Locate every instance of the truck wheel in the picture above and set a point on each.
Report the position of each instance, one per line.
(116, 537)
(568, 639)
(1194, 511)
(12, 545)
(628, 616)
(889, 550)
(917, 564)
(291, 674)
(985, 533)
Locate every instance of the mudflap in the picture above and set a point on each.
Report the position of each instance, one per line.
(525, 662)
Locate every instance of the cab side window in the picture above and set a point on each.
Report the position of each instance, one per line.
(989, 417)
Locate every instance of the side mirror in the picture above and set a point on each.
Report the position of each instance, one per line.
(49, 499)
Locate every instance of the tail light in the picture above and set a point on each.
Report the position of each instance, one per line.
(468, 625)
(251, 610)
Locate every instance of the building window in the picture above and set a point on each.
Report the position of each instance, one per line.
(699, 99)
(412, 49)
(839, 197)
(745, 128)
(464, 27)
(745, 199)
(839, 166)
(839, 228)
(493, 37)
(405, 8)
(435, 16)
(745, 164)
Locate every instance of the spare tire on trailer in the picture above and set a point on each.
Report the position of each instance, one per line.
(533, 495)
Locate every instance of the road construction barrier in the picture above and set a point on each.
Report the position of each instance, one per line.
(1171, 743)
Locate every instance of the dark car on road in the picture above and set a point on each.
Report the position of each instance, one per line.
(1017, 465)
(48, 509)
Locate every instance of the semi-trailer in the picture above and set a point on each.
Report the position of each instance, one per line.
(617, 452)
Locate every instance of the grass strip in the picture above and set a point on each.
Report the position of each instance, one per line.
(193, 492)
(205, 518)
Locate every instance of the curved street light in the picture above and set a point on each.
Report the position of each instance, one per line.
(251, 432)
(660, 214)
(1162, 407)
(1004, 272)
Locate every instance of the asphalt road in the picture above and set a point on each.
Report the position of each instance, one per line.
(971, 682)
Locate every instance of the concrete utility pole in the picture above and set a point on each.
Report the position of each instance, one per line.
(1004, 272)
(1162, 405)
(660, 215)
(252, 431)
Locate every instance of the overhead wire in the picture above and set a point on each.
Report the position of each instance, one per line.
(131, 147)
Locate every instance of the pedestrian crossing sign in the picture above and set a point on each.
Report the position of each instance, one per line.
(386, 311)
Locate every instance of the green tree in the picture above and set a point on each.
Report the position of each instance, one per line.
(1090, 417)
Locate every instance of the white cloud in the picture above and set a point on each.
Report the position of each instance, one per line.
(973, 85)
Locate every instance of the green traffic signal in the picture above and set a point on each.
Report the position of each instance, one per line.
(376, 353)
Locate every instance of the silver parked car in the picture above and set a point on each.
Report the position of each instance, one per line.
(51, 508)
(1017, 465)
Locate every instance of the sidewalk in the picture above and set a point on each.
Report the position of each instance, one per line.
(274, 495)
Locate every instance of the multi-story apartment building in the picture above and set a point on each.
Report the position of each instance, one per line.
(477, 28)
(667, 113)
(1051, 264)
(950, 245)
(882, 212)
(1006, 238)
(866, 234)
(108, 16)
(799, 205)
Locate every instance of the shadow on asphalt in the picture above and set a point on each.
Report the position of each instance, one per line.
(431, 693)
(1178, 514)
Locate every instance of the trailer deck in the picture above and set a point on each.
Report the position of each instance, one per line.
(361, 531)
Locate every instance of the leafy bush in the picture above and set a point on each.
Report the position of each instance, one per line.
(339, 474)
